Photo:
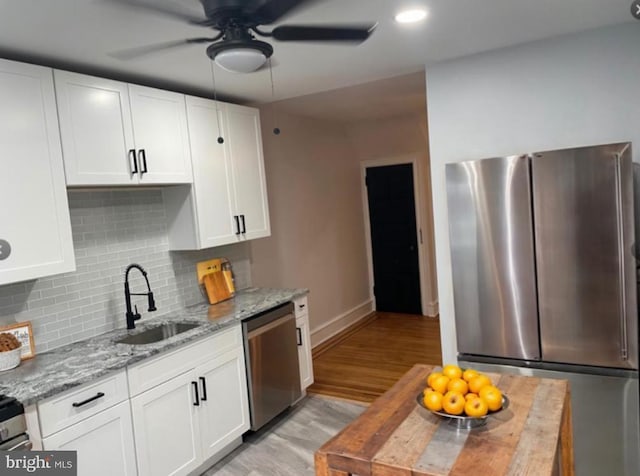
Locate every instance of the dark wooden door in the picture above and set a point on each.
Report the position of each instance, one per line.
(394, 241)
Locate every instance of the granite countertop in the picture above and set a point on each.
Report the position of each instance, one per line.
(75, 364)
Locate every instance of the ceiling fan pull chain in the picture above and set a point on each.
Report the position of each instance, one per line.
(215, 99)
(274, 112)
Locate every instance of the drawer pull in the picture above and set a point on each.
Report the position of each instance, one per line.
(302, 306)
(88, 400)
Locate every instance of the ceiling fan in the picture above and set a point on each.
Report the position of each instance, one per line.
(234, 47)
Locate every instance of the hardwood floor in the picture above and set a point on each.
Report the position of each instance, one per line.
(367, 361)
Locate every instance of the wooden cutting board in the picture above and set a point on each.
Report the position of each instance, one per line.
(217, 278)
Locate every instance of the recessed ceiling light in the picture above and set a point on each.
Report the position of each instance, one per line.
(411, 16)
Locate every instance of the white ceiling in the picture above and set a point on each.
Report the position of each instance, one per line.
(79, 34)
(389, 97)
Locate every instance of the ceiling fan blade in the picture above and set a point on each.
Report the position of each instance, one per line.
(133, 53)
(163, 9)
(355, 33)
(272, 10)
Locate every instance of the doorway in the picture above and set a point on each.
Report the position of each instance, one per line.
(394, 232)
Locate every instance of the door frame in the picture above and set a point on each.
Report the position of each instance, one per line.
(417, 197)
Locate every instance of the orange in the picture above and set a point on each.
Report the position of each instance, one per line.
(432, 376)
(452, 371)
(433, 401)
(458, 385)
(476, 383)
(476, 407)
(470, 396)
(492, 396)
(453, 403)
(468, 374)
(439, 384)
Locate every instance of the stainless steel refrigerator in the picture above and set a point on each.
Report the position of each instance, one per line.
(542, 256)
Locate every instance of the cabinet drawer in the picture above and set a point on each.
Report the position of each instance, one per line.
(301, 306)
(152, 372)
(59, 412)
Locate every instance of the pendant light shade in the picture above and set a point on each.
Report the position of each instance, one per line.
(240, 60)
(240, 56)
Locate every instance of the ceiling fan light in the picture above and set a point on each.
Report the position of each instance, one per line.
(240, 60)
(411, 16)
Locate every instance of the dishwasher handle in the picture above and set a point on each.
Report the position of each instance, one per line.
(271, 325)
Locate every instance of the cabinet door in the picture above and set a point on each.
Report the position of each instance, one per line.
(160, 132)
(212, 185)
(245, 147)
(167, 433)
(304, 351)
(34, 214)
(225, 412)
(104, 443)
(95, 125)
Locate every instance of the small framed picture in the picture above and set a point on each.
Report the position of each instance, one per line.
(24, 333)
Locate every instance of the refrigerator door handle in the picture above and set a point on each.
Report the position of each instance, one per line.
(624, 351)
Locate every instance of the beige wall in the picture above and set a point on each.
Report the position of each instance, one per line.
(317, 226)
(315, 201)
(404, 136)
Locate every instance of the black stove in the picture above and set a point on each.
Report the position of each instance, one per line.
(13, 426)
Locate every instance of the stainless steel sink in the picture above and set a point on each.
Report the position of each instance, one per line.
(158, 333)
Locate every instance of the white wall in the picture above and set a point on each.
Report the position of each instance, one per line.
(575, 90)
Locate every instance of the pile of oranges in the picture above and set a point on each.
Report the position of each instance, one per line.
(459, 392)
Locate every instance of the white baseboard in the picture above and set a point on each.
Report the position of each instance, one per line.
(339, 323)
(432, 309)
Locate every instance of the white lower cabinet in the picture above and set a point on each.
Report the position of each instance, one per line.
(186, 420)
(95, 421)
(225, 413)
(104, 443)
(304, 342)
(167, 431)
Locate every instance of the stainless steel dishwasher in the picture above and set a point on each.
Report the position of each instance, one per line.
(273, 372)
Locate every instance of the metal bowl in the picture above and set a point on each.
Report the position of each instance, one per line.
(463, 422)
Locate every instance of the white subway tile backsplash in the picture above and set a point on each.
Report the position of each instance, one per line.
(111, 229)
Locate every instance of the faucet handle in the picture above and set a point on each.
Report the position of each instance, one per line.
(136, 314)
(152, 302)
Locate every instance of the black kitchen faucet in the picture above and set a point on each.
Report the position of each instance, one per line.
(131, 315)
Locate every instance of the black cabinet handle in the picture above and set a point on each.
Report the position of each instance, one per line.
(143, 161)
(237, 219)
(88, 400)
(134, 167)
(204, 389)
(244, 228)
(299, 336)
(302, 306)
(195, 389)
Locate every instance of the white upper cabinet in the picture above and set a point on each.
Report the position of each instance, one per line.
(35, 235)
(119, 134)
(245, 147)
(160, 132)
(228, 200)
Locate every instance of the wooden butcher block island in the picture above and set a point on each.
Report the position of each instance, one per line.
(396, 437)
